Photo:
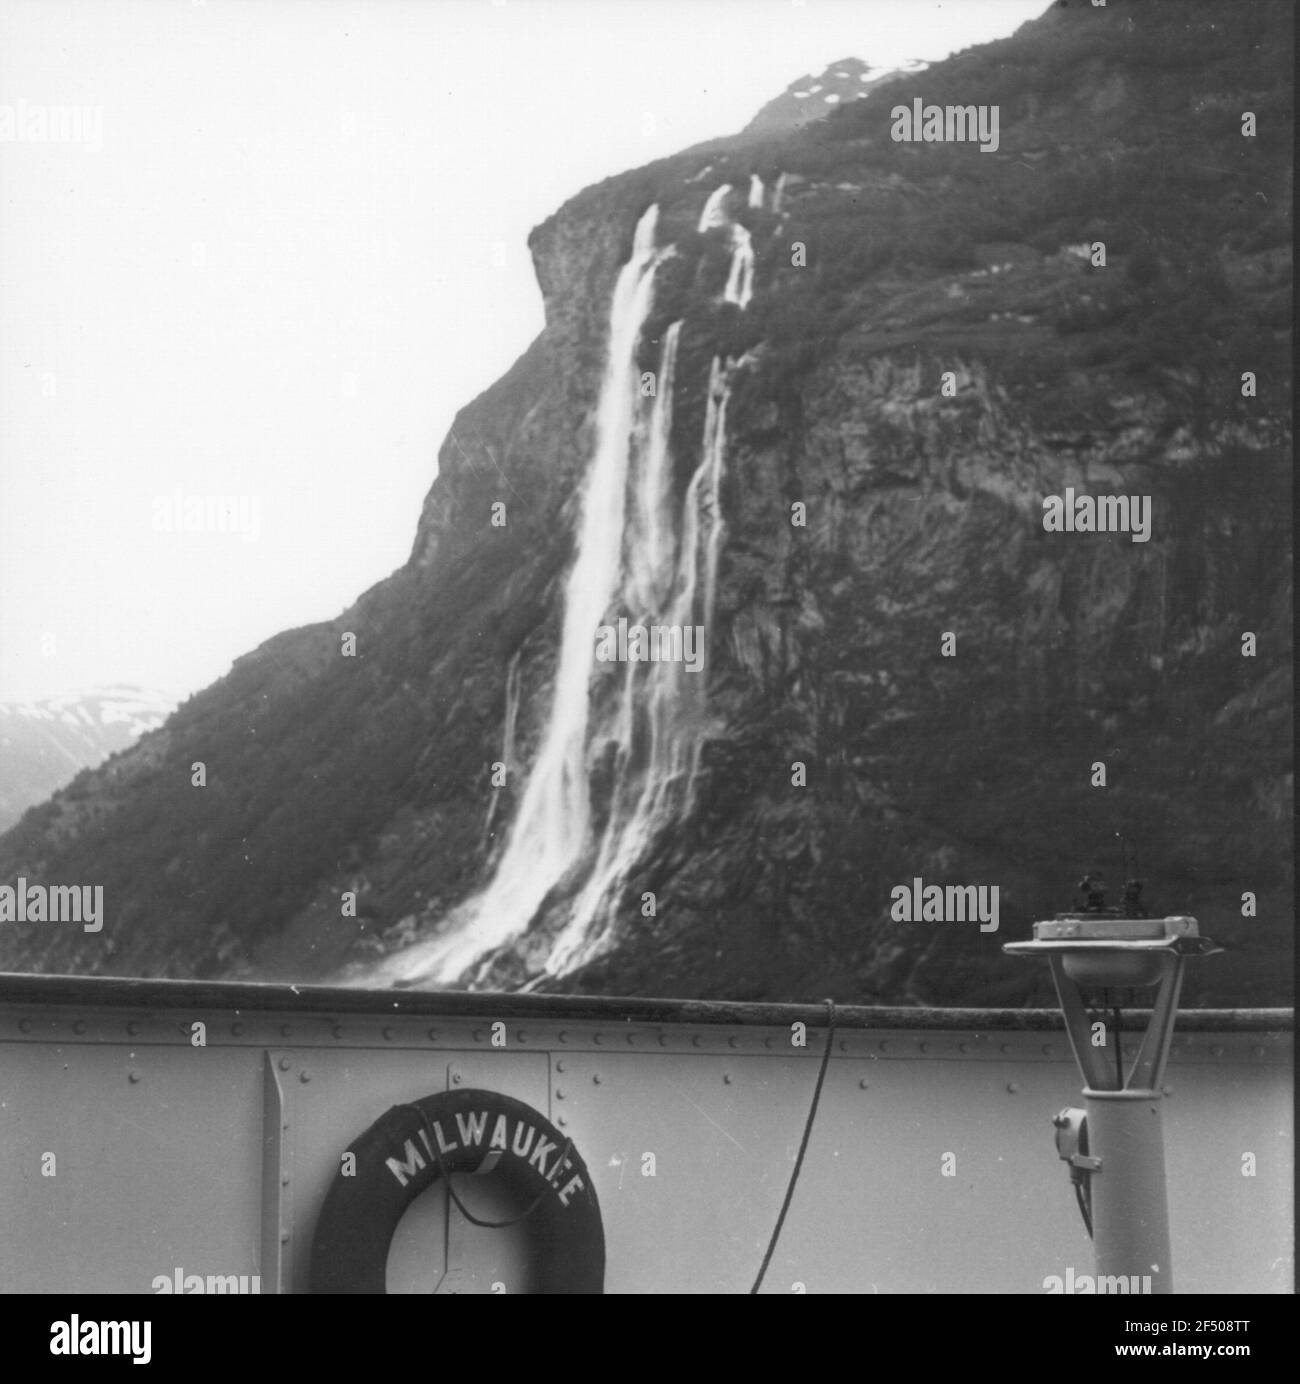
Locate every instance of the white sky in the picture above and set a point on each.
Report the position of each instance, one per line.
(297, 249)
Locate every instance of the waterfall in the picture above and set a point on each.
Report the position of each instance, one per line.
(656, 723)
(740, 281)
(653, 539)
(755, 191)
(552, 824)
(711, 469)
(642, 554)
(507, 740)
(778, 193)
(662, 717)
(714, 213)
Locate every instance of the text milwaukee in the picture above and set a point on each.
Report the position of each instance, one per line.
(471, 1130)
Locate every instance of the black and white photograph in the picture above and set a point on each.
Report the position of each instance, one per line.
(646, 647)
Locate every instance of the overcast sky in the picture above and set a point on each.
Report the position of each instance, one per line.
(287, 242)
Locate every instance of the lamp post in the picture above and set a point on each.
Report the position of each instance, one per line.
(1115, 1144)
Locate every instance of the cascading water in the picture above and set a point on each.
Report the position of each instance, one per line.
(662, 719)
(740, 281)
(715, 212)
(552, 825)
(507, 739)
(638, 554)
(755, 191)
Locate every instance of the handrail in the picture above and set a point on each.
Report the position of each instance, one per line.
(334, 999)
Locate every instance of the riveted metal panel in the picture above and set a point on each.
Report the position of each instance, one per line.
(333, 1096)
(1232, 1219)
(158, 1165)
(931, 1166)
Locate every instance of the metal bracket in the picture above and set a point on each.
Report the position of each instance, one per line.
(1072, 1140)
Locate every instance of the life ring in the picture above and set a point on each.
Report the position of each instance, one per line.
(409, 1147)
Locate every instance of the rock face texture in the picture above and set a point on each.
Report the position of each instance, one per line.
(935, 343)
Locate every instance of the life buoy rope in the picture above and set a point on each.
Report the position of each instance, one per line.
(451, 1191)
(412, 1145)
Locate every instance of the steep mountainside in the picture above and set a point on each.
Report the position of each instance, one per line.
(880, 266)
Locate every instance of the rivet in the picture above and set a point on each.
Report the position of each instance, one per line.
(338, 1030)
(79, 1026)
(1260, 1051)
(663, 1040)
(726, 1078)
(1006, 1047)
(1047, 1050)
(388, 1033)
(1216, 1050)
(768, 1041)
(563, 1036)
(304, 1077)
(844, 1045)
(595, 1078)
(963, 1047)
(285, 1030)
(695, 1040)
(863, 1084)
(559, 1066)
(132, 1028)
(24, 1025)
(285, 1064)
(284, 1181)
(924, 1047)
(236, 1029)
(1013, 1086)
(133, 1077)
(285, 1126)
(559, 1095)
(731, 1041)
(478, 1035)
(456, 1078)
(597, 1037)
(884, 1045)
(1166, 1090)
(284, 1237)
(521, 1036)
(631, 1039)
(560, 1120)
(433, 1035)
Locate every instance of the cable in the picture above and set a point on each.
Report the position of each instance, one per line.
(451, 1191)
(1119, 1048)
(1084, 1208)
(803, 1145)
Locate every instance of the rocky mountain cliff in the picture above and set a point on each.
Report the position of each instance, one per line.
(931, 348)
